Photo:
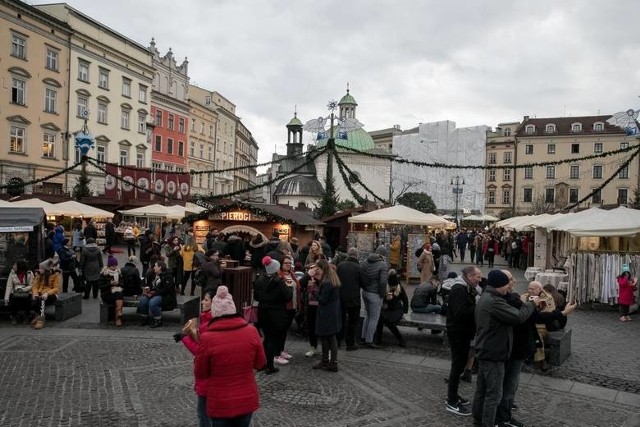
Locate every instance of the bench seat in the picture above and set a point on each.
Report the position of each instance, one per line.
(559, 348)
(189, 307)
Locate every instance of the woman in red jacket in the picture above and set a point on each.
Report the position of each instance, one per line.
(190, 337)
(227, 354)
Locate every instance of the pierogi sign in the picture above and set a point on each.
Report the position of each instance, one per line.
(237, 216)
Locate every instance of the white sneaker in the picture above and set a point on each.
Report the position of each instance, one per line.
(280, 360)
(312, 352)
(286, 355)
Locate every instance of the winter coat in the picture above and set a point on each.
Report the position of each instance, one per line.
(272, 295)
(50, 287)
(292, 282)
(352, 280)
(461, 310)
(91, 262)
(257, 251)
(131, 281)
(523, 334)
(495, 318)
(376, 272)
(172, 255)
(625, 292)
(329, 314)
(67, 259)
(90, 232)
(235, 248)
(426, 266)
(166, 289)
(58, 237)
(395, 304)
(110, 232)
(272, 244)
(77, 238)
(228, 353)
(145, 248)
(187, 258)
(424, 295)
(395, 249)
(213, 274)
(14, 284)
(201, 384)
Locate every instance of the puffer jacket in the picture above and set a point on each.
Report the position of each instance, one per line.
(461, 310)
(50, 287)
(91, 262)
(131, 280)
(375, 271)
(201, 384)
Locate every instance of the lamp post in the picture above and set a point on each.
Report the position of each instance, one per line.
(457, 182)
(84, 142)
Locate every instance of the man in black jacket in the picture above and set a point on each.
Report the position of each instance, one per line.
(461, 329)
(352, 279)
(494, 327)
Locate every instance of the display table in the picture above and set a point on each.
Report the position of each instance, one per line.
(552, 277)
(531, 272)
(229, 263)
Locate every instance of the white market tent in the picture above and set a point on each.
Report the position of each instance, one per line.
(400, 214)
(158, 211)
(480, 218)
(620, 221)
(49, 209)
(77, 209)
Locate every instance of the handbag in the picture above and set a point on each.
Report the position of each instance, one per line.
(250, 314)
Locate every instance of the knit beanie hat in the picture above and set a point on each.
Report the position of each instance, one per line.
(381, 250)
(112, 261)
(497, 279)
(353, 252)
(271, 265)
(222, 304)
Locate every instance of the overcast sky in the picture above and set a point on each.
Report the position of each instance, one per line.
(473, 62)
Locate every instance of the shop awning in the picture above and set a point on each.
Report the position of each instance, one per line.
(20, 219)
(77, 209)
(400, 214)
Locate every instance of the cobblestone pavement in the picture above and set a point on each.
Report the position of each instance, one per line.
(80, 373)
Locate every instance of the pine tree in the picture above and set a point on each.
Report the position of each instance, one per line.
(81, 189)
(329, 201)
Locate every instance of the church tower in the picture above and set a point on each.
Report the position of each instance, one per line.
(294, 136)
(347, 106)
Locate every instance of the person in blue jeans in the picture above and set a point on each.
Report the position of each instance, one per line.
(158, 294)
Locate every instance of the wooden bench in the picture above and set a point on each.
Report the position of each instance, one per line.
(559, 348)
(66, 306)
(432, 321)
(189, 308)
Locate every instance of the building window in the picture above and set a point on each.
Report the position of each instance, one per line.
(193, 125)
(18, 89)
(50, 100)
(550, 128)
(528, 172)
(142, 123)
(624, 145)
(181, 125)
(202, 128)
(549, 195)
(506, 196)
(124, 118)
(210, 154)
(102, 113)
(202, 151)
(492, 158)
(126, 87)
(170, 122)
(507, 157)
(507, 131)
(575, 148)
(574, 172)
(527, 194)
(597, 172)
(101, 153)
(83, 70)
(624, 173)
(156, 166)
(492, 197)
(51, 60)
(18, 46)
(623, 196)
(159, 118)
(530, 129)
(576, 127)
(169, 146)
(210, 131)
(192, 149)
(528, 149)
(142, 94)
(103, 78)
(598, 127)
(124, 157)
(17, 140)
(506, 174)
(158, 146)
(551, 172)
(140, 160)
(209, 181)
(82, 110)
(180, 148)
(48, 145)
(551, 148)
(573, 195)
(597, 147)
(597, 196)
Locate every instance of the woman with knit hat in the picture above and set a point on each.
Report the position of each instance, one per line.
(272, 295)
(111, 289)
(626, 286)
(227, 355)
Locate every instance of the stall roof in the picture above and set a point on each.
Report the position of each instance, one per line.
(49, 208)
(77, 209)
(276, 212)
(18, 218)
(297, 216)
(400, 214)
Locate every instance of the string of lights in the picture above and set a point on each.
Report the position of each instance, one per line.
(42, 179)
(357, 178)
(347, 182)
(212, 209)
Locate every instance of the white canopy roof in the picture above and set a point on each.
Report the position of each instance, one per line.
(77, 209)
(48, 208)
(620, 221)
(170, 212)
(480, 218)
(400, 214)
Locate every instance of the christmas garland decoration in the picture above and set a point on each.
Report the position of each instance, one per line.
(485, 167)
(236, 205)
(605, 183)
(352, 190)
(44, 178)
(195, 172)
(358, 180)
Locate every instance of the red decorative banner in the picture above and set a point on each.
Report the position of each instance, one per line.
(143, 180)
(110, 181)
(184, 185)
(172, 185)
(159, 184)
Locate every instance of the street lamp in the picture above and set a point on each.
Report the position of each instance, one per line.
(457, 182)
(84, 142)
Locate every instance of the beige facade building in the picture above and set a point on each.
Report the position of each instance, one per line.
(33, 97)
(549, 188)
(110, 78)
(202, 140)
(246, 155)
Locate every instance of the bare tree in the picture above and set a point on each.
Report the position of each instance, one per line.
(405, 186)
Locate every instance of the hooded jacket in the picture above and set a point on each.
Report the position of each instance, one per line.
(352, 280)
(91, 262)
(375, 269)
(461, 310)
(257, 251)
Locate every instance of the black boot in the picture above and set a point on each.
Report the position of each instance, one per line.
(156, 323)
(145, 321)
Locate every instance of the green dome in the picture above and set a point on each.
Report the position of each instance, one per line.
(347, 99)
(295, 122)
(357, 139)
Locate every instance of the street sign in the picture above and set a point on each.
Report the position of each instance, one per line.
(457, 190)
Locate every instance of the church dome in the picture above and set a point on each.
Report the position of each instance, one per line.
(299, 185)
(347, 99)
(357, 139)
(295, 121)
